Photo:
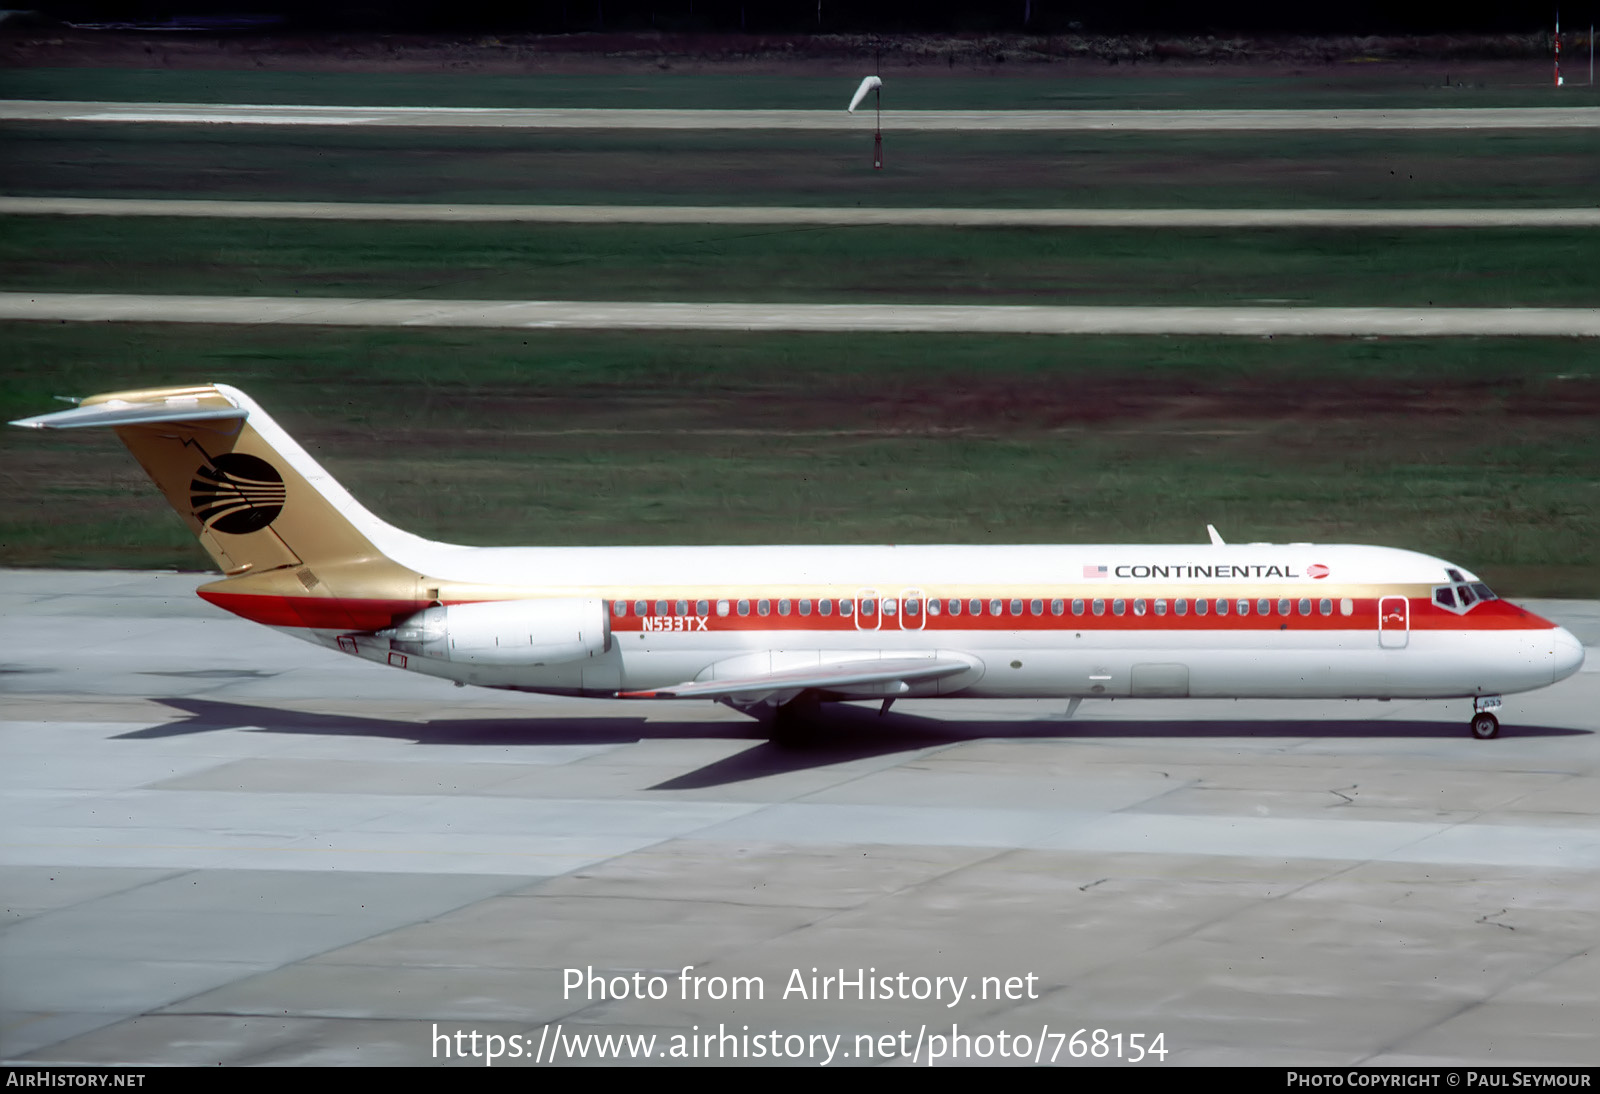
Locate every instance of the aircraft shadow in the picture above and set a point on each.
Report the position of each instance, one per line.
(842, 735)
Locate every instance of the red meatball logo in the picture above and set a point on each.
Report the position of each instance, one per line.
(1317, 570)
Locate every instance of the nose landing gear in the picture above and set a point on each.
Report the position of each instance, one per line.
(1485, 725)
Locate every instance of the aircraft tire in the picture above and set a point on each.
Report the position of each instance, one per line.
(1485, 726)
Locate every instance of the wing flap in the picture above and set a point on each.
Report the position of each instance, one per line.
(838, 676)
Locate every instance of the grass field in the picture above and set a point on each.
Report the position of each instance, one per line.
(1483, 451)
(1473, 268)
(1075, 85)
(1327, 169)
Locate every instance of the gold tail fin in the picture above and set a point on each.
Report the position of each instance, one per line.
(251, 508)
(270, 517)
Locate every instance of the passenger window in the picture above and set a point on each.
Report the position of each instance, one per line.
(1201, 606)
(955, 606)
(763, 607)
(682, 608)
(1222, 606)
(805, 607)
(1057, 607)
(640, 608)
(1077, 607)
(744, 607)
(619, 607)
(1325, 606)
(1138, 607)
(1161, 607)
(1244, 607)
(1283, 607)
(890, 606)
(847, 607)
(1016, 607)
(868, 607)
(722, 607)
(1263, 606)
(1181, 606)
(1305, 606)
(974, 607)
(783, 606)
(1346, 606)
(661, 607)
(1119, 606)
(995, 607)
(825, 606)
(1099, 607)
(1036, 607)
(913, 606)
(702, 607)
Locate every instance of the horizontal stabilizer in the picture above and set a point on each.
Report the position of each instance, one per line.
(115, 413)
(841, 676)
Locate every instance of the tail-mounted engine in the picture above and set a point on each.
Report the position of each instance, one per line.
(506, 632)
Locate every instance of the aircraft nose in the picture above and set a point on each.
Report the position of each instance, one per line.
(1566, 656)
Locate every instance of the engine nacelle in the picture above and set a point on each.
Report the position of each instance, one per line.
(506, 632)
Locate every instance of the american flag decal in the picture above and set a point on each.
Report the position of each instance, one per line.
(1094, 571)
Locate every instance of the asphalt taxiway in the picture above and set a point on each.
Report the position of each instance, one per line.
(1568, 117)
(221, 845)
(841, 216)
(1255, 321)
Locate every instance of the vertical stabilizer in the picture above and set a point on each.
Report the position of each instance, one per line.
(269, 516)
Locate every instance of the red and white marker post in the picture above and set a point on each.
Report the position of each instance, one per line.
(1558, 47)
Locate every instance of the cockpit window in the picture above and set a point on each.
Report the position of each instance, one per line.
(1454, 575)
(1462, 595)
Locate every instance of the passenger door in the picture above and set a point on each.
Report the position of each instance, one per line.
(1394, 622)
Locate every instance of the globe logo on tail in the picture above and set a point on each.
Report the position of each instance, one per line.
(237, 494)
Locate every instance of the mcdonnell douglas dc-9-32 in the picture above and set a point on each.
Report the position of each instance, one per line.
(777, 630)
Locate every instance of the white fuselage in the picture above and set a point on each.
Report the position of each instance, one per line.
(1092, 621)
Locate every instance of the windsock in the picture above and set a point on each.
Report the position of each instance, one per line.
(869, 84)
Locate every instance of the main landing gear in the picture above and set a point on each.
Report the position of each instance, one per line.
(1485, 725)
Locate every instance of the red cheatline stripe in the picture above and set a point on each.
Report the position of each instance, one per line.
(329, 613)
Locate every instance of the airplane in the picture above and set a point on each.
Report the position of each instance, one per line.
(775, 631)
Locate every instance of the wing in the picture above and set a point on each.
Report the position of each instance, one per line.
(865, 678)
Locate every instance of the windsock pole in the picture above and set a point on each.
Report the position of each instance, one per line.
(1558, 47)
(877, 134)
(875, 85)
